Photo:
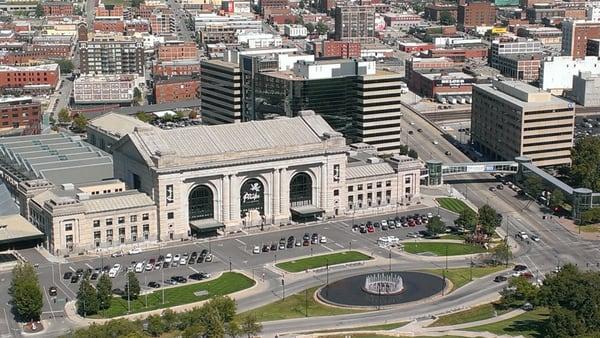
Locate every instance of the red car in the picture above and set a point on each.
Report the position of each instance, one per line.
(411, 223)
(371, 229)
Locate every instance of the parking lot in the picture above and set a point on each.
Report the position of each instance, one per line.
(587, 126)
(227, 252)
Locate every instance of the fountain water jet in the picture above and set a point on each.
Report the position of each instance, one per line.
(383, 284)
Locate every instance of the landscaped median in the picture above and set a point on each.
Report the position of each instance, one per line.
(442, 248)
(452, 204)
(461, 276)
(314, 262)
(227, 283)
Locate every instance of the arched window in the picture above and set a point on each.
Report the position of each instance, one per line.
(300, 190)
(201, 203)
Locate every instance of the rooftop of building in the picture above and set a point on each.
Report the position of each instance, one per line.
(364, 162)
(437, 75)
(175, 79)
(58, 158)
(12, 100)
(523, 95)
(38, 68)
(17, 228)
(117, 124)
(207, 144)
(105, 78)
(221, 63)
(523, 57)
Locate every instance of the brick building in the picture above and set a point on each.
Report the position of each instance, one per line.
(429, 83)
(136, 26)
(36, 52)
(576, 35)
(20, 112)
(340, 49)
(355, 23)
(109, 10)
(456, 54)
(162, 22)
(19, 77)
(111, 54)
(433, 11)
(109, 25)
(177, 50)
(414, 64)
(264, 4)
(524, 67)
(473, 14)
(176, 89)
(57, 8)
(176, 68)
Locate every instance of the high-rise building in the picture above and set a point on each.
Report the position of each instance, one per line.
(111, 54)
(576, 35)
(473, 14)
(511, 119)
(500, 49)
(355, 23)
(220, 92)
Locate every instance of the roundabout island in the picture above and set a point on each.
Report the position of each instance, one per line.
(381, 289)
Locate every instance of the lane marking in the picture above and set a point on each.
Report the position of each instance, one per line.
(196, 271)
(89, 266)
(240, 241)
(72, 269)
(328, 248)
(338, 244)
(10, 333)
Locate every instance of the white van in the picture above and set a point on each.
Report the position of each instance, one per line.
(139, 267)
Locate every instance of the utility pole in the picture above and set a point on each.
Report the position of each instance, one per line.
(283, 288)
(229, 263)
(471, 270)
(162, 272)
(128, 297)
(390, 258)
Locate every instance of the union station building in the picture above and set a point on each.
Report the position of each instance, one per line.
(205, 179)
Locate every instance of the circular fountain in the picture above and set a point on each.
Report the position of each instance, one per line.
(381, 289)
(384, 283)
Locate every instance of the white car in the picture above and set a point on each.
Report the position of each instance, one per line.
(149, 267)
(183, 261)
(256, 250)
(384, 223)
(323, 239)
(435, 142)
(429, 215)
(168, 258)
(157, 266)
(208, 258)
(139, 267)
(176, 258)
(112, 273)
(117, 254)
(135, 251)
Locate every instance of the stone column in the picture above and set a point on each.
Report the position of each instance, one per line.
(284, 198)
(276, 193)
(225, 200)
(234, 196)
(324, 186)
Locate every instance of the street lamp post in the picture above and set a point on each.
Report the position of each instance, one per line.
(230, 264)
(390, 258)
(306, 303)
(283, 288)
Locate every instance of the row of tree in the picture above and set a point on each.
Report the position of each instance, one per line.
(216, 318)
(572, 296)
(487, 218)
(79, 122)
(91, 300)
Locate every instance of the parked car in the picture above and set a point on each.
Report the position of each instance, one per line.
(179, 279)
(94, 276)
(265, 248)
(176, 258)
(520, 267)
(154, 285)
(273, 247)
(323, 239)
(208, 258)
(118, 292)
(168, 258)
(139, 267)
(117, 254)
(74, 279)
(535, 238)
(256, 250)
(67, 275)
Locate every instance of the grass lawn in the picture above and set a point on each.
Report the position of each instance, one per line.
(453, 236)
(461, 276)
(439, 248)
(294, 307)
(452, 204)
(229, 282)
(481, 312)
(529, 324)
(589, 228)
(322, 260)
(368, 335)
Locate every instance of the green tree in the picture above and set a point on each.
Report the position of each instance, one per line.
(194, 331)
(418, 7)
(155, 325)
(310, 27)
(403, 149)
(563, 323)
(533, 186)
(557, 199)
(212, 322)
(501, 253)
(590, 216)
(144, 117)
(80, 123)
(132, 287)
(524, 290)
(87, 299)
(489, 219)
(170, 318)
(435, 225)
(447, 19)
(66, 66)
(233, 329)
(27, 297)
(136, 3)
(137, 94)
(585, 168)
(301, 4)
(250, 325)
(467, 218)
(104, 288)
(413, 154)
(64, 116)
(321, 28)
(225, 307)
(39, 10)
